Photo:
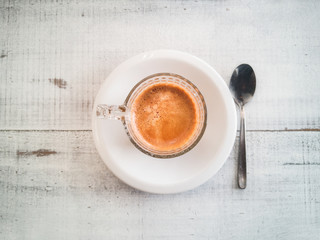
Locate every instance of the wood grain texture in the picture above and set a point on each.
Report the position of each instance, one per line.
(69, 193)
(56, 54)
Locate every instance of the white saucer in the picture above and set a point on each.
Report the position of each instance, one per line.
(166, 175)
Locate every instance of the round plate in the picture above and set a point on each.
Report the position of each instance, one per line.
(175, 174)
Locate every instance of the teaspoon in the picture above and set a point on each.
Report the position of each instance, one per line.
(242, 86)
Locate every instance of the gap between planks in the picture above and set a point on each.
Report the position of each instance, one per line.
(89, 130)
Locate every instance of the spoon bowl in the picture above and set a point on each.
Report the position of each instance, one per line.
(243, 84)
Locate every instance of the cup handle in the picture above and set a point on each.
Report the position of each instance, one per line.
(116, 112)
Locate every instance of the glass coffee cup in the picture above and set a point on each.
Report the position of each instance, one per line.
(164, 115)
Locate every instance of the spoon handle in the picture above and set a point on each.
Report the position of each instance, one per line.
(242, 161)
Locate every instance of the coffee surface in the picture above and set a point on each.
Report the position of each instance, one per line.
(165, 116)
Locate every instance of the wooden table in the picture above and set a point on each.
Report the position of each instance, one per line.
(54, 55)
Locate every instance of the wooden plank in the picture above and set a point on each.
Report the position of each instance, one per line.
(53, 185)
(56, 54)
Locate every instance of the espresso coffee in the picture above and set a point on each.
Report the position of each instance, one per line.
(165, 116)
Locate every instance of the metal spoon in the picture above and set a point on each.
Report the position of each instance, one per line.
(242, 86)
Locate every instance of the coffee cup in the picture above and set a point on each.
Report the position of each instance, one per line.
(164, 115)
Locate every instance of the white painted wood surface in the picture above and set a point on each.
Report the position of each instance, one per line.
(70, 194)
(81, 43)
(55, 54)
